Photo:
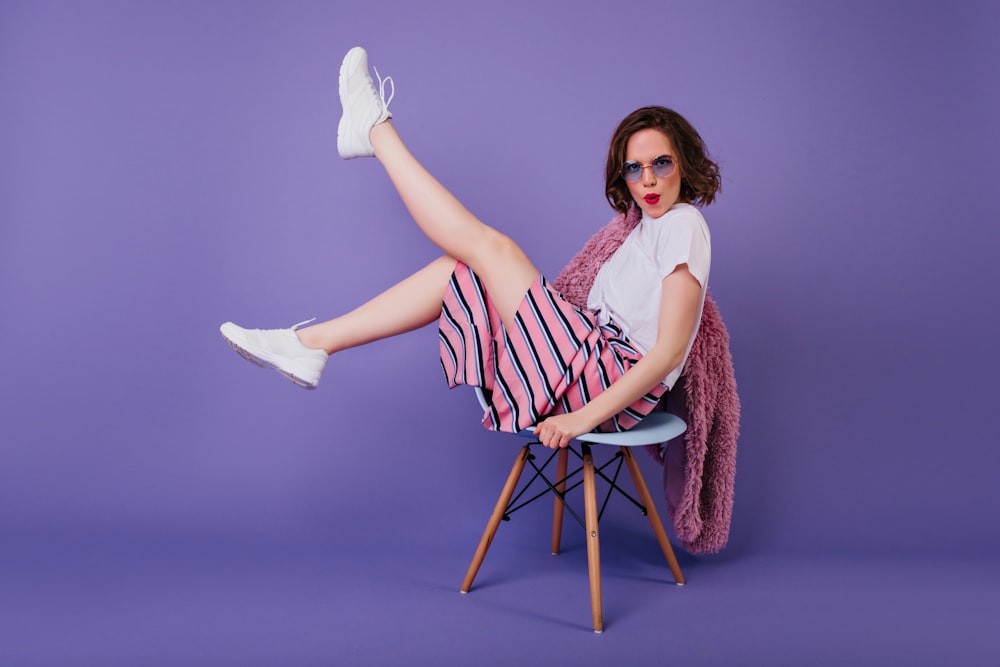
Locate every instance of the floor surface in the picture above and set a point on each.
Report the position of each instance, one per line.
(161, 598)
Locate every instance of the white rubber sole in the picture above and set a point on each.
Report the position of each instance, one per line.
(350, 62)
(266, 363)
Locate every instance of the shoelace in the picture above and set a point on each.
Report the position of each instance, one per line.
(381, 87)
(296, 326)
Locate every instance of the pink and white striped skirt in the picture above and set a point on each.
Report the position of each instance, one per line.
(554, 360)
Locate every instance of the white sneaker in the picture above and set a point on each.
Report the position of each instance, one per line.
(364, 105)
(279, 349)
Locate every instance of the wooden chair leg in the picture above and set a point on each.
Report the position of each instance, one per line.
(652, 514)
(495, 518)
(559, 507)
(593, 538)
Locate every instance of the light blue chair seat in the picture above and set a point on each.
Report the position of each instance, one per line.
(657, 428)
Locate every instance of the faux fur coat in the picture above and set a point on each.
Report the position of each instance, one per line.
(699, 477)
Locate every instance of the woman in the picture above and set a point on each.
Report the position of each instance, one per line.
(541, 361)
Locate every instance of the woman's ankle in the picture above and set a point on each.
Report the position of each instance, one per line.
(380, 134)
(309, 337)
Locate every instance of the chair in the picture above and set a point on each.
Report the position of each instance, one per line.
(658, 427)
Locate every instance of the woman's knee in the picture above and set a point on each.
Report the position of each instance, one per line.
(501, 263)
(498, 246)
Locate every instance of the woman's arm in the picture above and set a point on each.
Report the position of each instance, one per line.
(681, 295)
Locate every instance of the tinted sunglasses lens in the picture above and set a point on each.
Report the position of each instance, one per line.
(631, 171)
(663, 167)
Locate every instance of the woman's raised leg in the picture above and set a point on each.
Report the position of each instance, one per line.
(410, 304)
(365, 130)
(500, 263)
(301, 354)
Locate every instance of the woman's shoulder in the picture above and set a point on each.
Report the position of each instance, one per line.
(682, 220)
(685, 211)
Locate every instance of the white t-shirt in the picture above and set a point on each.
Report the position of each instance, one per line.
(627, 289)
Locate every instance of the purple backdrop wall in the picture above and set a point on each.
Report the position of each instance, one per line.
(168, 166)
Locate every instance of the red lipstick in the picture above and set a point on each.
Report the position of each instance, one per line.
(651, 199)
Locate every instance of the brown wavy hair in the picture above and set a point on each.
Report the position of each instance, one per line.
(700, 180)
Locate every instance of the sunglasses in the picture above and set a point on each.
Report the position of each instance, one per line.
(662, 166)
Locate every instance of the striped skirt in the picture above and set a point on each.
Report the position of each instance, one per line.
(556, 358)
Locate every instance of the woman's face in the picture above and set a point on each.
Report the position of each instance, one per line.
(653, 194)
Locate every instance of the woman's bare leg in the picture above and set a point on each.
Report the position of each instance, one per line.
(409, 304)
(503, 267)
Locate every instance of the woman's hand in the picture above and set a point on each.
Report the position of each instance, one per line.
(557, 431)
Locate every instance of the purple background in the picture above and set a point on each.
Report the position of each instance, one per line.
(166, 166)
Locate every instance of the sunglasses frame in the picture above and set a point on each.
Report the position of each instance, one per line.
(661, 170)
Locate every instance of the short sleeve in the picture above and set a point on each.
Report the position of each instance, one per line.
(685, 240)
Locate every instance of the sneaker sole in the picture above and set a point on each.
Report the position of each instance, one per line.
(350, 62)
(264, 363)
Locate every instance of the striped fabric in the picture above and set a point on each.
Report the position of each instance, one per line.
(553, 360)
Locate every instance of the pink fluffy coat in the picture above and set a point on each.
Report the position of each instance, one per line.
(698, 478)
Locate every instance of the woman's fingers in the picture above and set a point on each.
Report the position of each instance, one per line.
(551, 435)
